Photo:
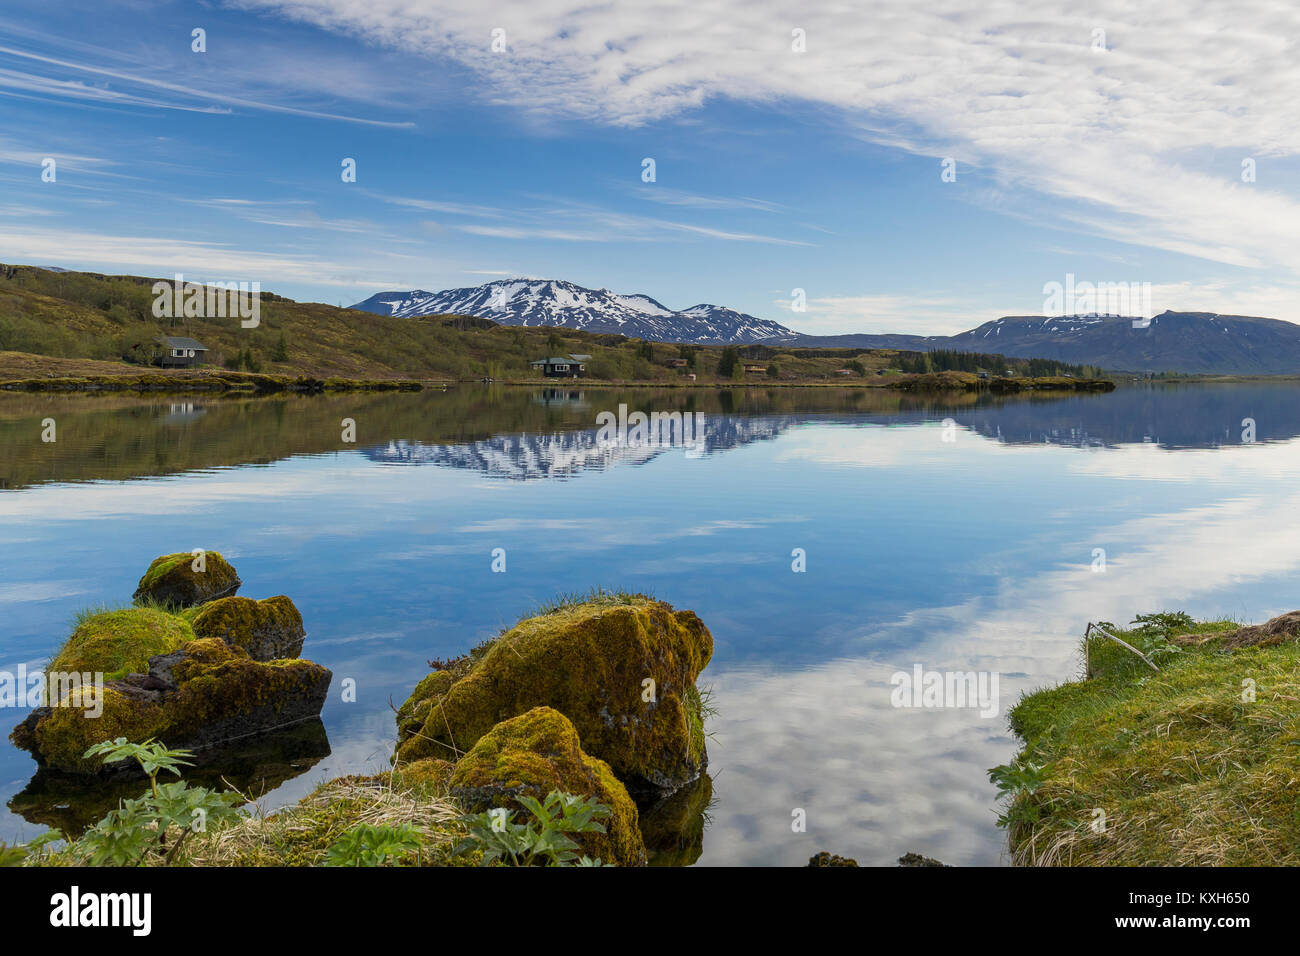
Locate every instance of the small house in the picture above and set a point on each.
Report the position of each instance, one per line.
(844, 371)
(678, 363)
(570, 366)
(755, 369)
(179, 352)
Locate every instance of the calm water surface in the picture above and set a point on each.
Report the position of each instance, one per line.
(973, 553)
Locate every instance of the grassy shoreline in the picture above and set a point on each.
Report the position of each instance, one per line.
(218, 381)
(1191, 764)
(206, 382)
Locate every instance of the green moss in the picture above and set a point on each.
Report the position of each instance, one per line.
(214, 692)
(221, 695)
(593, 662)
(115, 643)
(64, 736)
(269, 629)
(540, 751)
(430, 774)
(1184, 767)
(173, 580)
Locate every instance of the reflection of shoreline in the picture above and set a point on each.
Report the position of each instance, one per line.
(71, 803)
(107, 438)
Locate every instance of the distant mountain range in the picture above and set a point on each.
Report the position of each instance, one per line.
(1192, 342)
(555, 302)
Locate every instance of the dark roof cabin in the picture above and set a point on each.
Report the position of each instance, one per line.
(180, 352)
(571, 366)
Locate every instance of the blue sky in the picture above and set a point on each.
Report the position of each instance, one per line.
(775, 169)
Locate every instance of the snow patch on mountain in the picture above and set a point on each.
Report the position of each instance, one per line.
(553, 302)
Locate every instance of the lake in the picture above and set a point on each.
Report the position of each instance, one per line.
(951, 533)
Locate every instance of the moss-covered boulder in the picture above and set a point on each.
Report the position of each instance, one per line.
(184, 580)
(269, 630)
(430, 774)
(116, 643)
(540, 751)
(622, 670)
(206, 694)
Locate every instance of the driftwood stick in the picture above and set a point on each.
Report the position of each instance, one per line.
(1093, 627)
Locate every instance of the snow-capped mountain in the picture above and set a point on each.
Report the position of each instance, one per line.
(555, 302)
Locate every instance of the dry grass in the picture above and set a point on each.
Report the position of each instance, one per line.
(300, 835)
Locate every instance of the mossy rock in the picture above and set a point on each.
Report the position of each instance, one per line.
(62, 738)
(591, 662)
(535, 753)
(173, 581)
(116, 643)
(222, 694)
(431, 774)
(269, 630)
(206, 694)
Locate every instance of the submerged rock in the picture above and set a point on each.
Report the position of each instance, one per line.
(535, 753)
(673, 827)
(622, 670)
(184, 580)
(269, 630)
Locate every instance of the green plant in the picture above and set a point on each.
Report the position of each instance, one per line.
(1016, 781)
(138, 831)
(541, 841)
(1152, 632)
(26, 853)
(370, 845)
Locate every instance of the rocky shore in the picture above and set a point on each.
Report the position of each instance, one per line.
(188, 664)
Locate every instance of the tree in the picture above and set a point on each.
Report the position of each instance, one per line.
(281, 351)
(727, 362)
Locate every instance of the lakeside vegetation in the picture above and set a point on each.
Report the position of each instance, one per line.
(95, 332)
(502, 757)
(1188, 763)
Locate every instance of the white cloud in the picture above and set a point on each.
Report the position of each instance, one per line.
(1112, 137)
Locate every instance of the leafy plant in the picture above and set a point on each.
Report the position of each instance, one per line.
(1016, 781)
(138, 830)
(374, 845)
(29, 852)
(1153, 632)
(542, 840)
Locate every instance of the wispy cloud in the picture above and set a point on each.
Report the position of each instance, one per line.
(1109, 125)
(47, 86)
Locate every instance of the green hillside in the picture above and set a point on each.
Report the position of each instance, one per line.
(62, 324)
